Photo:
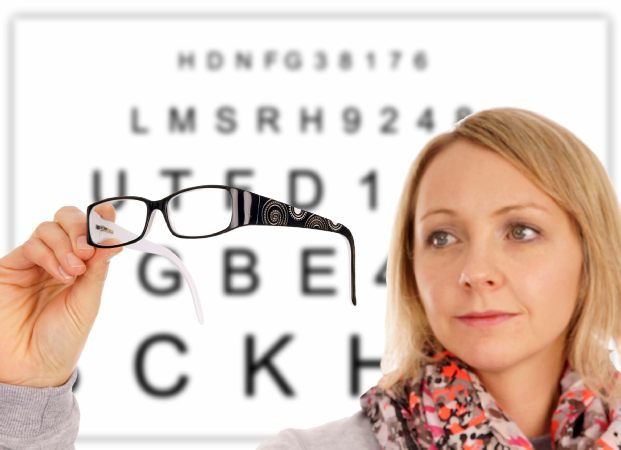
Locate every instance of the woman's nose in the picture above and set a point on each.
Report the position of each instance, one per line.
(479, 269)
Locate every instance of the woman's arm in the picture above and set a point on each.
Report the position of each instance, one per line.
(50, 292)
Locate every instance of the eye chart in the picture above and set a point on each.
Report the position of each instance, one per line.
(322, 111)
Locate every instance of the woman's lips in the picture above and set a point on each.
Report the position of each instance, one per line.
(486, 321)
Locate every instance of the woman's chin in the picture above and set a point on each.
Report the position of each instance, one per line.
(488, 358)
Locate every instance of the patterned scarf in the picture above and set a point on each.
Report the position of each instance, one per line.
(448, 407)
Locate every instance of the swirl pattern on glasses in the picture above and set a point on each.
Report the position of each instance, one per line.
(277, 213)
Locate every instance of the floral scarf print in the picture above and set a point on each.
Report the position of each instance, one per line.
(449, 408)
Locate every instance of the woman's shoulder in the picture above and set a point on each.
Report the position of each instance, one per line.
(346, 433)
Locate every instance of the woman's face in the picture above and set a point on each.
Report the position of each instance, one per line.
(483, 256)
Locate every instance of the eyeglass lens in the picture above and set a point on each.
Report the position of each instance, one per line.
(193, 213)
(200, 212)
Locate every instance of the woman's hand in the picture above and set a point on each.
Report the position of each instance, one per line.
(50, 292)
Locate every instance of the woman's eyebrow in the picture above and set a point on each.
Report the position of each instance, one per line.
(498, 212)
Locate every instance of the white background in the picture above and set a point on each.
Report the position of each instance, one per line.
(316, 362)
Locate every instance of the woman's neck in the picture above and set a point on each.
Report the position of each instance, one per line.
(528, 392)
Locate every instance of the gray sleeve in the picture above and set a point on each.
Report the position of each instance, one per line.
(284, 440)
(36, 418)
(353, 432)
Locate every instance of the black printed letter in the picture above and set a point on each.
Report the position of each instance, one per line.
(139, 364)
(357, 363)
(171, 274)
(294, 175)
(252, 366)
(230, 270)
(307, 270)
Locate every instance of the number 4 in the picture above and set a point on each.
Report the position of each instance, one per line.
(426, 120)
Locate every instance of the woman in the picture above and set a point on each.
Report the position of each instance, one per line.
(508, 215)
(504, 285)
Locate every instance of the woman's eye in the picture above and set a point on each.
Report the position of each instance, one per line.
(440, 235)
(521, 227)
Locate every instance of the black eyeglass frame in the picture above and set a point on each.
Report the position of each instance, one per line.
(247, 208)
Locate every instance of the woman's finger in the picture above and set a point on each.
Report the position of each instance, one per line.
(35, 250)
(73, 221)
(55, 238)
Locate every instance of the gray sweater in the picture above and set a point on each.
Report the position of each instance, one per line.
(41, 418)
(48, 418)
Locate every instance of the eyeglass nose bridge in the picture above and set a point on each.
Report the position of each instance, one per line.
(153, 207)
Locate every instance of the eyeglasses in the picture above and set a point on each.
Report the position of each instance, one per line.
(194, 213)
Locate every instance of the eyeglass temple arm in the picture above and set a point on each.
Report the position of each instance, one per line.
(147, 246)
(254, 209)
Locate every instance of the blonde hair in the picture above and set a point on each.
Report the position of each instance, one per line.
(562, 166)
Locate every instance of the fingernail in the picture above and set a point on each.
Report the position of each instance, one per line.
(73, 260)
(63, 273)
(82, 244)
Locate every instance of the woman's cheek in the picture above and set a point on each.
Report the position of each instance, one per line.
(433, 291)
(550, 301)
